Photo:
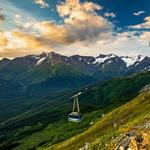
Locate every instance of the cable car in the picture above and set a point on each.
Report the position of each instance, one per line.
(75, 116)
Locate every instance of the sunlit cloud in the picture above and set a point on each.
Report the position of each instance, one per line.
(145, 37)
(82, 21)
(83, 30)
(18, 43)
(145, 25)
(113, 15)
(42, 3)
(3, 40)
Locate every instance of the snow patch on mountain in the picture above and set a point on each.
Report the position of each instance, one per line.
(89, 60)
(102, 58)
(139, 59)
(132, 60)
(40, 60)
(128, 60)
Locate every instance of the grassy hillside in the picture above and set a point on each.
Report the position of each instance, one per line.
(17, 97)
(45, 71)
(110, 94)
(103, 134)
(49, 124)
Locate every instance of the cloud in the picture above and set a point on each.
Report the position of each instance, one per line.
(125, 43)
(26, 40)
(42, 3)
(113, 15)
(81, 20)
(81, 26)
(145, 37)
(77, 25)
(145, 25)
(17, 16)
(17, 43)
(82, 31)
(70, 7)
(3, 39)
(139, 13)
(2, 18)
(52, 33)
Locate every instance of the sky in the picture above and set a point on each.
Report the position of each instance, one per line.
(69, 27)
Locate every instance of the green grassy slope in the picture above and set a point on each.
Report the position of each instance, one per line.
(116, 91)
(100, 135)
(17, 97)
(8, 88)
(44, 71)
(53, 133)
(107, 95)
(34, 130)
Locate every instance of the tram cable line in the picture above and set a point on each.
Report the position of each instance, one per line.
(31, 111)
(28, 113)
(23, 117)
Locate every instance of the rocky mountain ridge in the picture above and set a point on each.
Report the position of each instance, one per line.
(101, 67)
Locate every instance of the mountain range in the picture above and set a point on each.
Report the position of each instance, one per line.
(37, 68)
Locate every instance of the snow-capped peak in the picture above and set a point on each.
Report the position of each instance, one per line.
(40, 60)
(132, 60)
(90, 60)
(102, 58)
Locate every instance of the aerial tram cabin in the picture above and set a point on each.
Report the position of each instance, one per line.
(75, 116)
